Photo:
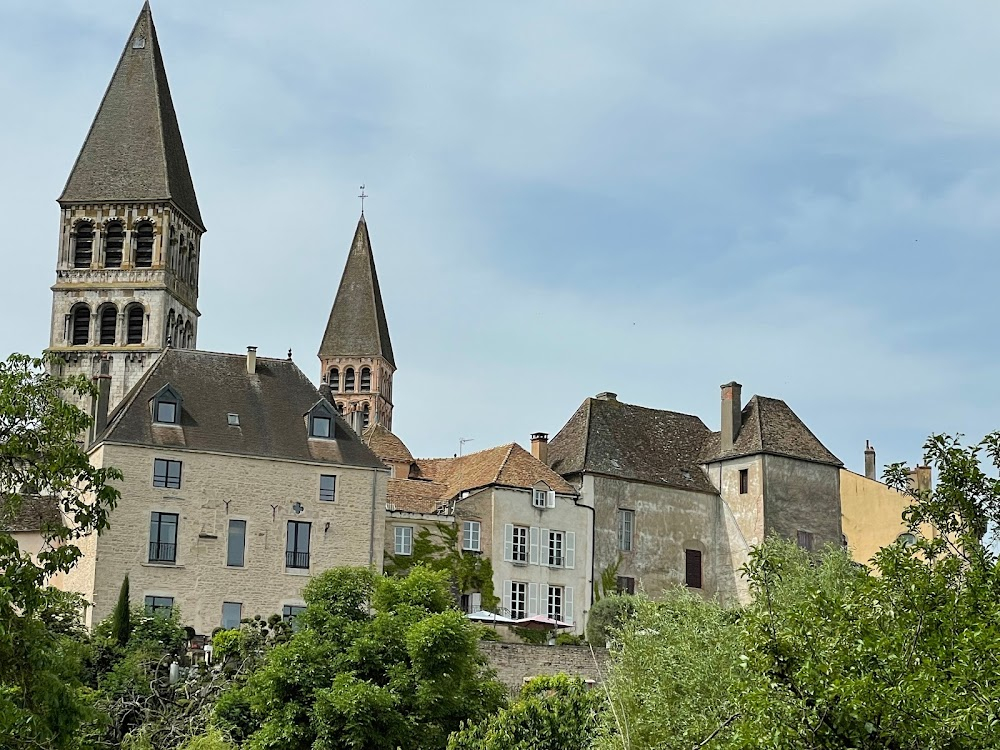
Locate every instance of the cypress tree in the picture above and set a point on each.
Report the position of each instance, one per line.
(121, 625)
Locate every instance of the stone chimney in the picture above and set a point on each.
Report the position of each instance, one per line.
(870, 461)
(920, 479)
(732, 414)
(540, 446)
(251, 360)
(606, 396)
(102, 399)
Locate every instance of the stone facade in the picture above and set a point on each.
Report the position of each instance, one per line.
(516, 663)
(369, 400)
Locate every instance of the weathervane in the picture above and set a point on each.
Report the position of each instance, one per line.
(362, 197)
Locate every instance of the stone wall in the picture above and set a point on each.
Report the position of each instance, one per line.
(514, 662)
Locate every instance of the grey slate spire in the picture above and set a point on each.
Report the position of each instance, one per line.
(357, 325)
(133, 152)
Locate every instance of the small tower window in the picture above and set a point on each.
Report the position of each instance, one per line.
(80, 325)
(83, 248)
(365, 415)
(349, 380)
(168, 334)
(133, 325)
(144, 245)
(188, 335)
(333, 378)
(366, 380)
(108, 325)
(114, 241)
(191, 264)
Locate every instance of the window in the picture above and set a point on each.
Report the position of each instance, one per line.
(188, 335)
(328, 487)
(555, 603)
(349, 380)
(163, 537)
(404, 540)
(236, 543)
(297, 545)
(232, 613)
(805, 540)
(625, 585)
(167, 474)
(538, 499)
(233, 420)
(114, 241)
(80, 325)
(144, 245)
(290, 611)
(159, 606)
(365, 415)
(518, 600)
(744, 481)
(83, 246)
(133, 324)
(555, 549)
(333, 378)
(166, 412)
(470, 536)
(320, 426)
(108, 324)
(626, 523)
(519, 545)
(366, 379)
(470, 603)
(692, 568)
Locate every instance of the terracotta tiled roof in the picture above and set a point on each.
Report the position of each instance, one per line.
(34, 512)
(386, 445)
(416, 495)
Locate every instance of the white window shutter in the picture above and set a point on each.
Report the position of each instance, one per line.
(550, 499)
(477, 602)
(532, 599)
(569, 554)
(544, 547)
(543, 599)
(508, 542)
(506, 596)
(568, 604)
(533, 545)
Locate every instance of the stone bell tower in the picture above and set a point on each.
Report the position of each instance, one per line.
(355, 356)
(130, 229)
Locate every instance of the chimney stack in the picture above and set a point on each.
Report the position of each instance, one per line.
(732, 414)
(540, 446)
(870, 461)
(920, 479)
(606, 396)
(102, 399)
(251, 360)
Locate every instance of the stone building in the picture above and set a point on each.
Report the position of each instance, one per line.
(241, 482)
(129, 229)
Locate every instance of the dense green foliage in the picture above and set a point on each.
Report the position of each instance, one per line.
(607, 616)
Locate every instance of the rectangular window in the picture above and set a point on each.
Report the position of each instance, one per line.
(166, 412)
(518, 600)
(327, 488)
(519, 551)
(555, 603)
(626, 522)
(297, 545)
(539, 498)
(470, 603)
(805, 539)
(159, 606)
(236, 543)
(470, 536)
(321, 427)
(744, 481)
(163, 537)
(555, 549)
(625, 585)
(404, 540)
(166, 473)
(291, 611)
(232, 613)
(692, 568)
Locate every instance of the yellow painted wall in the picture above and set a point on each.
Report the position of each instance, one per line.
(872, 514)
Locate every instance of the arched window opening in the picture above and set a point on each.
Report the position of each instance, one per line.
(80, 325)
(333, 378)
(178, 333)
(133, 324)
(349, 380)
(181, 262)
(189, 271)
(108, 324)
(114, 241)
(83, 247)
(144, 245)
(366, 379)
(188, 335)
(365, 416)
(168, 333)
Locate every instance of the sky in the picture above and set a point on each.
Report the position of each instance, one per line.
(650, 198)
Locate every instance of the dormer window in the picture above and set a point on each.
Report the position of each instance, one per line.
(233, 419)
(321, 427)
(320, 420)
(543, 497)
(167, 406)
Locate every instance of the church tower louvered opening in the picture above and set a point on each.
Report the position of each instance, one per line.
(356, 361)
(130, 228)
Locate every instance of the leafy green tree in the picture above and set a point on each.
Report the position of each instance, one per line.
(607, 616)
(376, 663)
(121, 626)
(40, 704)
(551, 713)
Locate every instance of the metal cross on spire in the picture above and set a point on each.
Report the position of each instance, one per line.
(362, 197)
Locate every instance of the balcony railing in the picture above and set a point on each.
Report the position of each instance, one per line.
(160, 552)
(297, 560)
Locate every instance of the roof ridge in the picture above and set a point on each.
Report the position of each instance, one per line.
(126, 403)
(506, 458)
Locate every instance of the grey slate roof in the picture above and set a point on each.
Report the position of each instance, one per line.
(357, 325)
(271, 405)
(632, 442)
(34, 512)
(770, 426)
(134, 151)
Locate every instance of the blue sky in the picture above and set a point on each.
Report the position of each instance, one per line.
(566, 198)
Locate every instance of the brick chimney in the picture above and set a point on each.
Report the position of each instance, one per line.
(869, 461)
(102, 399)
(251, 360)
(540, 446)
(732, 414)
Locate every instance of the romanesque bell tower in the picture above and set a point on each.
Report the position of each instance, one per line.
(130, 229)
(356, 355)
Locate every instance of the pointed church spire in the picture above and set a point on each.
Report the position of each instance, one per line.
(133, 152)
(357, 325)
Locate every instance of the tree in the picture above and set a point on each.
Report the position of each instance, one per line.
(607, 616)
(121, 624)
(551, 713)
(40, 456)
(377, 662)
